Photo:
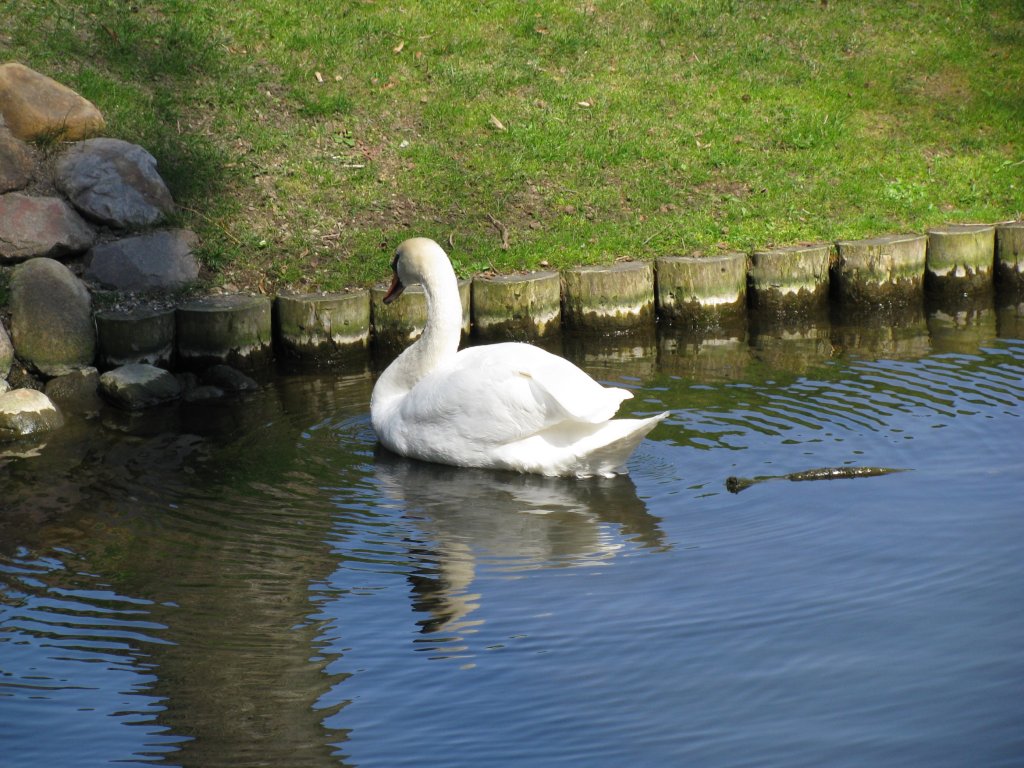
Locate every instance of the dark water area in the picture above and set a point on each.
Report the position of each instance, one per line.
(255, 583)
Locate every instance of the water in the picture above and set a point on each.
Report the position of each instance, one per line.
(254, 584)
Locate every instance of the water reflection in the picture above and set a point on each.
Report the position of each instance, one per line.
(470, 519)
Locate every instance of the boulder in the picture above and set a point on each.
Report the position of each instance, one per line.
(229, 379)
(26, 412)
(162, 260)
(35, 106)
(139, 385)
(15, 162)
(40, 226)
(113, 182)
(6, 352)
(76, 392)
(51, 318)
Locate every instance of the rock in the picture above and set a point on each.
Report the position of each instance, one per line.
(204, 393)
(113, 182)
(35, 106)
(15, 162)
(6, 352)
(26, 412)
(229, 379)
(40, 226)
(51, 318)
(137, 386)
(76, 391)
(158, 260)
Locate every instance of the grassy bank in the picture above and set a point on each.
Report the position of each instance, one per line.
(303, 139)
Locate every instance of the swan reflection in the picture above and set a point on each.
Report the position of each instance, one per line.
(505, 522)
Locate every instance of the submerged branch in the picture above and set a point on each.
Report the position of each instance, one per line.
(737, 484)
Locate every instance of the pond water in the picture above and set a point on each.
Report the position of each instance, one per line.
(254, 583)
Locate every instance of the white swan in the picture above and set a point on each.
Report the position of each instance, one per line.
(502, 406)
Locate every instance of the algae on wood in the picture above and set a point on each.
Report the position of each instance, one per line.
(960, 260)
(879, 273)
(702, 291)
(234, 329)
(616, 297)
(516, 306)
(140, 335)
(323, 327)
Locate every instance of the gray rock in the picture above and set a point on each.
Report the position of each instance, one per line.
(15, 162)
(51, 318)
(157, 260)
(6, 352)
(76, 391)
(204, 393)
(40, 226)
(138, 386)
(26, 412)
(114, 182)
(229, 379)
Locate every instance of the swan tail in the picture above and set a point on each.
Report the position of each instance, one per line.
(579, 449)
(610, 456)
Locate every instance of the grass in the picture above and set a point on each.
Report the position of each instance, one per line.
(303, 139)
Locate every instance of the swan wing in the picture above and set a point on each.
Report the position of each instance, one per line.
(501, 393)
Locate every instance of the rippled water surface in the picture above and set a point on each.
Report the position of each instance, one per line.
(255, 584)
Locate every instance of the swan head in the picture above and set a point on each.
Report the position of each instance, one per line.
(415, 262)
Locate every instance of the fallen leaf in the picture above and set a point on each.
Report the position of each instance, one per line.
(398, 48)
(497, 124)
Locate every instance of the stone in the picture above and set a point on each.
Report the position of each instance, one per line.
(138, 386)
(139, 335)
(702, 291)
(51, 318)
(15, 162)
(517, 306)
(234, 329)
(204, 393)
(159, 260)
(113, 182)
(31, 227)
(323, 327)
(25, 412)
(76, 391)
(35, 106)
(228, 379)
(616, 297)
(6, 352)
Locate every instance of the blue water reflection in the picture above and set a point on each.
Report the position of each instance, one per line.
(256, 584)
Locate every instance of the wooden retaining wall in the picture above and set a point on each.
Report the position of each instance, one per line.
(882, 283)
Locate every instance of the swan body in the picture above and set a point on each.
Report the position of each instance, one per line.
(501, 406)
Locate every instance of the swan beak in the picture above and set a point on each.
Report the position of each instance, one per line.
(395, 290)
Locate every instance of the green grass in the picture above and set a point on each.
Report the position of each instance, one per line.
(626, 128)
